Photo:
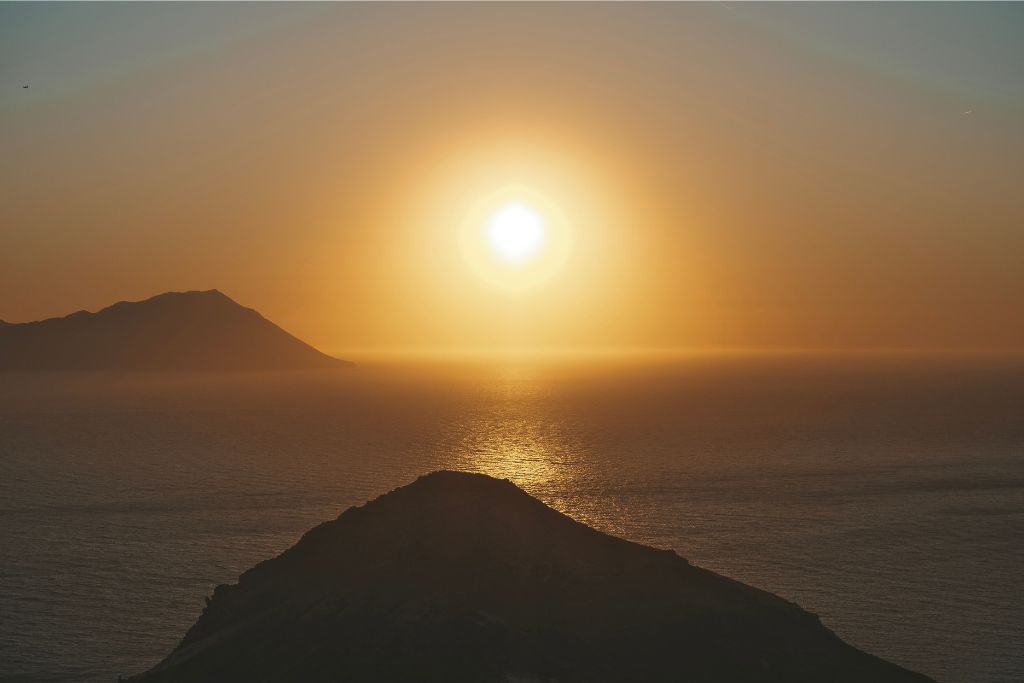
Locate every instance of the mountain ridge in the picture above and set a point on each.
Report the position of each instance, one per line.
(197, 330)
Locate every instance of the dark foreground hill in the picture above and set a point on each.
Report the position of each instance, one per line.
(176, 331)
(461, 577)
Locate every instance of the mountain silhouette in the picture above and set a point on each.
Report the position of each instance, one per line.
(176, 331)
(462, 577)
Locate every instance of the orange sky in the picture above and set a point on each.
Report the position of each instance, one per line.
(740, 176)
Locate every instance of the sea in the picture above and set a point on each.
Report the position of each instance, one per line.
(883, 492)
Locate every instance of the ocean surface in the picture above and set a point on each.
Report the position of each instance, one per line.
(884, 493)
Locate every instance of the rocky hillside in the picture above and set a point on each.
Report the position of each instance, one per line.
(461, 577)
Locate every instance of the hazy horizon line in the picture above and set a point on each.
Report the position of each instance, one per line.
(479, 352)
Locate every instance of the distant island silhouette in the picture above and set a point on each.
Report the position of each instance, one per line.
(175, 331)
(462, 577)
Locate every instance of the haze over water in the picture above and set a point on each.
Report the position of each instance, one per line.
(885, 493)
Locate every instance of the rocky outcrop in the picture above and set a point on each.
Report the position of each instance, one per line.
(461, 577)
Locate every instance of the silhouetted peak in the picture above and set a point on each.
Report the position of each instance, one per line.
(464, 577)
(450, 484)
(192, 295)
(456, 506)
(192, 330)
(199, 294)
(473, 504)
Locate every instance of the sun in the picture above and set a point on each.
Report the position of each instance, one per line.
(516, 231)
(515, 238)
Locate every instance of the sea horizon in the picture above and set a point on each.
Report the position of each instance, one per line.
(825, 482)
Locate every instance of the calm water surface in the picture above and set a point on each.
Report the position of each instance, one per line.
(885, 494)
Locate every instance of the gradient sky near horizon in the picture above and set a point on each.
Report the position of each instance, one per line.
(734, 175)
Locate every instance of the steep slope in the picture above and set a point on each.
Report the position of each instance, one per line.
(178, 331)
(461, 577)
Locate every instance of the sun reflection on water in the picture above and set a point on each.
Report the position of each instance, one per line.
(515, 433)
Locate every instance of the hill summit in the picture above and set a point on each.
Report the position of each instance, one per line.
(462, 577)
(176, 331)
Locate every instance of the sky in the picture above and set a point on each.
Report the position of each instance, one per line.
(748, 175)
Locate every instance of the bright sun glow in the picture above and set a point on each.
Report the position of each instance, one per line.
(515, 232)
(515, 238)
